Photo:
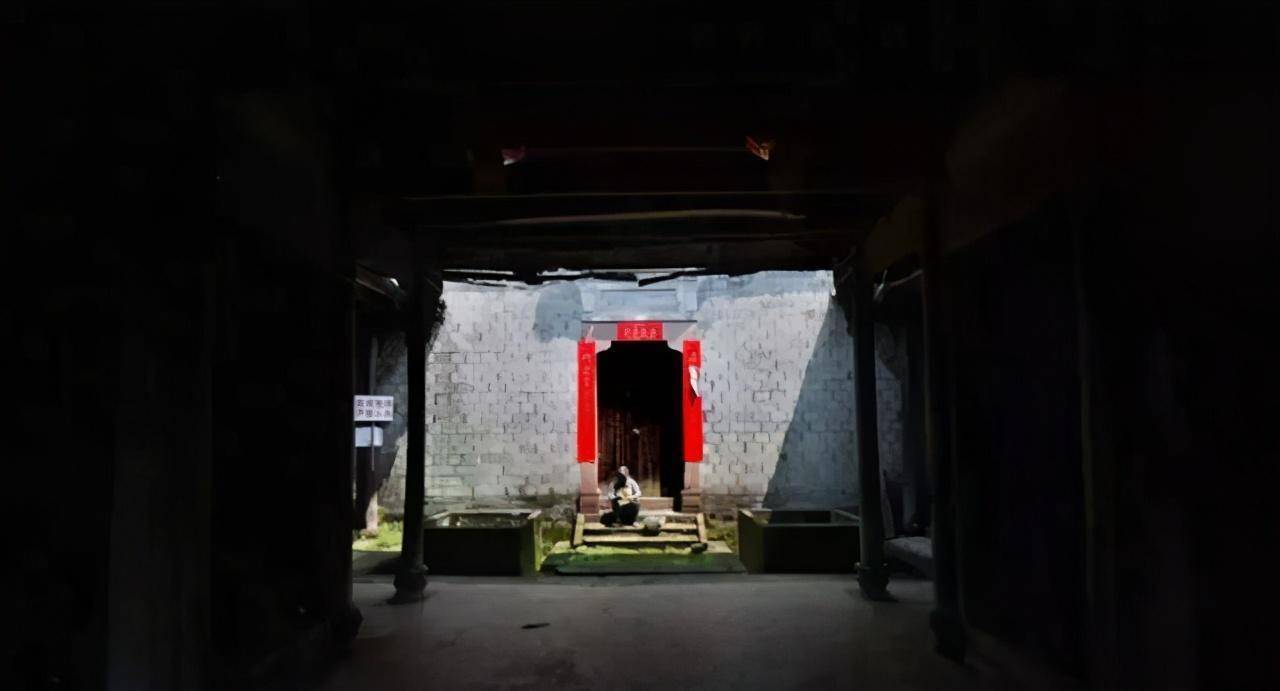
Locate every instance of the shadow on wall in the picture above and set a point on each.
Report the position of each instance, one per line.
(768, 284)
(816, 467)
(558, 313)
(391, 379)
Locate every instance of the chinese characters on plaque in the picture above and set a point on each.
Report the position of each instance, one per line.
(374, 408)
(640, 331)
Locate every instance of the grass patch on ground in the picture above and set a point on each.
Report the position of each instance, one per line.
(724, 531)
(390, 535)
(553, 532)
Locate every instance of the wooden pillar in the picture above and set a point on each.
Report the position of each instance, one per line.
(347, 617)
(948, 626)
(362, 457)
(873, 574)
(914, 435)
(424, 297)
(1098, 466)
(369, 505)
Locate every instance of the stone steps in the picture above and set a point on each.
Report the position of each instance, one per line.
(637, 540)
(674, 559)
(596, 527)
(677, 530)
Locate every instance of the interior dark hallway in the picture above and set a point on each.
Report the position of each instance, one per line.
(215, 206)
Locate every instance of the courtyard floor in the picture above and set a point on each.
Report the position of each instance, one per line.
(646, 632)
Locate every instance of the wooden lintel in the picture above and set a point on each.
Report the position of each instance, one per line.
(898, 235)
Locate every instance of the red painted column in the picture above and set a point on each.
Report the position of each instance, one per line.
(586, 401)
(692, 402)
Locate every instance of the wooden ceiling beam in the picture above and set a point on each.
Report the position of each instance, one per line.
(819, 208)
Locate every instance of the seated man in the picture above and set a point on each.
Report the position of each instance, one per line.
(625, 498)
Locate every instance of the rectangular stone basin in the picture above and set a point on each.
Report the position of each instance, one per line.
(797, 541)
(482, 543)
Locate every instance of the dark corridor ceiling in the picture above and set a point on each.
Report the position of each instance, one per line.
(631, 121)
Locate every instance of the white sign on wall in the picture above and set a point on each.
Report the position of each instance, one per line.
(374, 408)
(363, 438)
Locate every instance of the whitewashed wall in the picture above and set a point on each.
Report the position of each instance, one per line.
(777, 386)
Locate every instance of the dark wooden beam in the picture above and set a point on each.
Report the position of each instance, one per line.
(893, 238)
(735, 232)
(848, 208)
(873, 572)
(722, 257)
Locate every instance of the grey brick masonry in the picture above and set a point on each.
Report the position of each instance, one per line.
(777, 391)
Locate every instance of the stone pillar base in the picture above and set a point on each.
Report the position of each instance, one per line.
(691, 497)
(874, 583)
(411, 584)
(588, 489)
(346, 627)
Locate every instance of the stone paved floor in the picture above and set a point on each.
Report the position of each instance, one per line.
(646, 632)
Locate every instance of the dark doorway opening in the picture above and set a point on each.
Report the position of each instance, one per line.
(638, 395)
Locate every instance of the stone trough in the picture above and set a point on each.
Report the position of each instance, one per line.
(482, 542)
(797, 541)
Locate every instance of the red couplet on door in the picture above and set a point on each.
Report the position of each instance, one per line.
(586, 401)
(692, 397)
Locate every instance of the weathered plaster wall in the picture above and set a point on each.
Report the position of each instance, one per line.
(777, 387)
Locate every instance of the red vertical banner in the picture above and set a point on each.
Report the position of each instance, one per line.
(586, 401)
(692, 376)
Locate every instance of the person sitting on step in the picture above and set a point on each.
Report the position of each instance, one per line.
(625, 498)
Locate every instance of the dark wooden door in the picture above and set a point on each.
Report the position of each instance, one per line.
(626, 438)
(638, 399)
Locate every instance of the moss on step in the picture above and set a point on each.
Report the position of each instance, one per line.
(606, 559)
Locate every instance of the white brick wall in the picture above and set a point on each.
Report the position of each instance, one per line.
(502, 391)
(778, 398)
(777, 390)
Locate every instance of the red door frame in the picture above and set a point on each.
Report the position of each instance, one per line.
(692, 399)
(586, 401)
(691, 350)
